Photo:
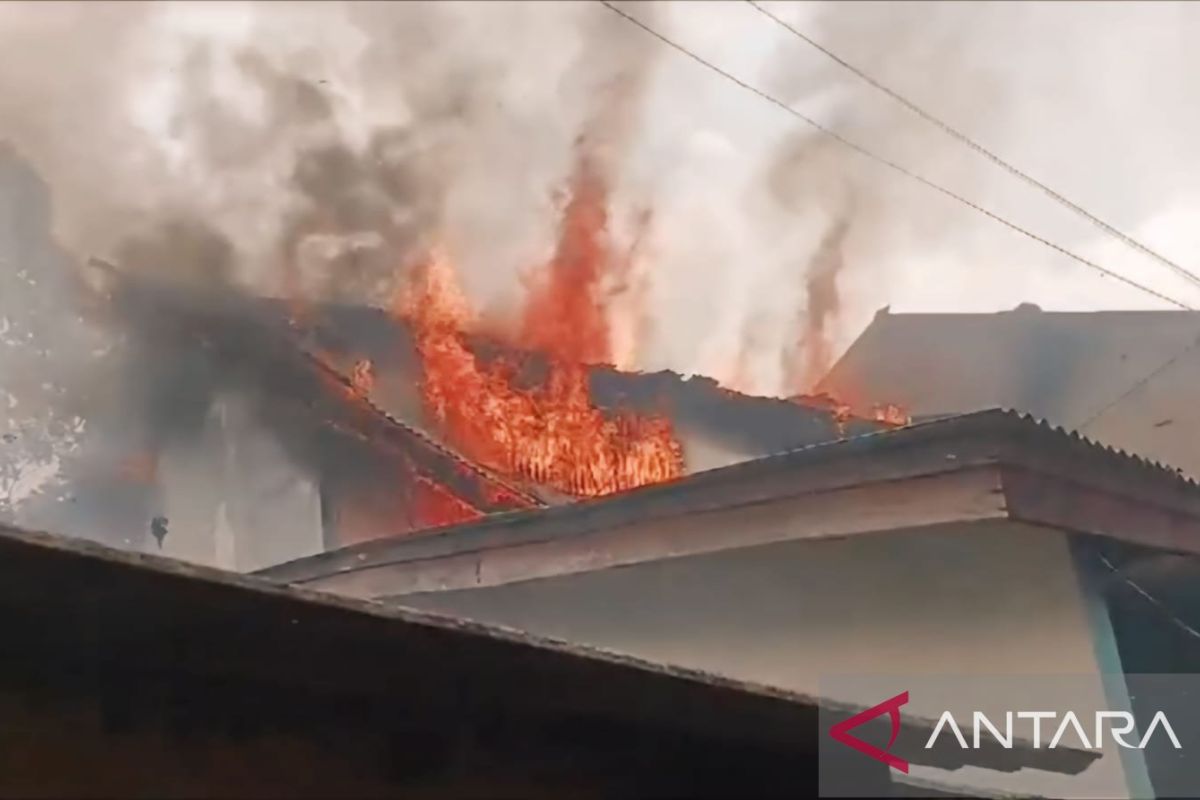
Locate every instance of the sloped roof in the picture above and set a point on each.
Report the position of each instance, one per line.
(147, 618)
(706, 416)
(1043, 475)
(303, 393)
(698, 406)
(1064, 367)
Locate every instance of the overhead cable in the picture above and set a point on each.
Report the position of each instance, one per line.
(893, 165)
(983, 151)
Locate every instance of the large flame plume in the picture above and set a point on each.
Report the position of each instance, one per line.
(551, 434)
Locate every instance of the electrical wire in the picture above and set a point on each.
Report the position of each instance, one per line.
(1145, 379)
(1154, 601)
(893, 165)
(983, 151)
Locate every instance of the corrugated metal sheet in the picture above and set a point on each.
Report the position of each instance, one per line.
(994, 437)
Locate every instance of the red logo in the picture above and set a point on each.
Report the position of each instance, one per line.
(841, 733)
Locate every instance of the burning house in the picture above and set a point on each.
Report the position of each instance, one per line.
(281, 368)
(239, 430)
(294, 426)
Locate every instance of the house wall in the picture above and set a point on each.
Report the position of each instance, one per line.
(995, 600)
(233, 499)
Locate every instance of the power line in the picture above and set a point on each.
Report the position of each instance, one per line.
(988, 154)
(995, 159)
(891, 164)
(1145, 379)
(1154, 601)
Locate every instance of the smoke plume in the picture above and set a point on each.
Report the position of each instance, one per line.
(216, 155)
(312, 151)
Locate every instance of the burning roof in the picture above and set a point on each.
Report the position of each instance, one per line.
(533, 428)
(714, 425)
(552, 434)
(323, 418)
(537, 409)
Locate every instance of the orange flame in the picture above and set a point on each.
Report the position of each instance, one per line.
(565, 316)
(362, 377)
(139, 468)
(551, 434)
(434, 506)
(891, 414)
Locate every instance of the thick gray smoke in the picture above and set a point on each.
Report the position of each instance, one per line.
(217, 151)
(324, 164)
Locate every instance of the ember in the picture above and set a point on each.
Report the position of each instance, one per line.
(891, 414)
(362, 377)
(843, 412)
(139, 468)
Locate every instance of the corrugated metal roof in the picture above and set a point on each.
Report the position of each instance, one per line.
(145, 615)
(995, 437)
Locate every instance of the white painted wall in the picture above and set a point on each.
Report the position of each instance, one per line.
(990, 599)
